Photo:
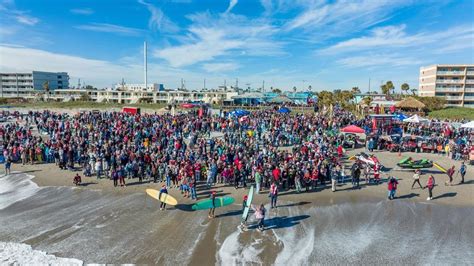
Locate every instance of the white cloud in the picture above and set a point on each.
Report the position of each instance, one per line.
(232, 3)
(210, 37)
(111, 28)
(10, 11)
(373, 60)
(26, 19)
(82, 11)
(158, 20)
(220, 67)
(326, 19)
(98, 73)
(395, 36)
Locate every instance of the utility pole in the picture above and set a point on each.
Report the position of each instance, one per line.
(263, 86)
(236, 83)
(225, 83)
(369, 85)
(204, 84)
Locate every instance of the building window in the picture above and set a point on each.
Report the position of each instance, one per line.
(59, 77)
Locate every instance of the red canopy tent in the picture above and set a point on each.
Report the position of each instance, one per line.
(187, 105)
(352, 129)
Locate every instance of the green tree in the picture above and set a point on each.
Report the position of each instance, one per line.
(325, 98)
(414, 91)
(384, 89)
(405, 87)
(367, 100)
(294, 89)
(46, 86)
(355, 90)
(390, 86)
(432, 103)
(276, 90)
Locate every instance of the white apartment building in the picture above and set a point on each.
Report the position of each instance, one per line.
(132, 97)
(454, 82)
(139, 87)
(21, 84)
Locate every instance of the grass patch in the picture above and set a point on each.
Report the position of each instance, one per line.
(453, 113)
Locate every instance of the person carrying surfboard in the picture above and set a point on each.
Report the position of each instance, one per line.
(165, 191)
(213, 208)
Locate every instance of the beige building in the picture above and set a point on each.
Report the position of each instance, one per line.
(454, 82)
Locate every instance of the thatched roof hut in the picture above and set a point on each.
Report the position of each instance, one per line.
(410, 103)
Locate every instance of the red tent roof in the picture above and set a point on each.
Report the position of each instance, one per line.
(187, 105)
(352, 129)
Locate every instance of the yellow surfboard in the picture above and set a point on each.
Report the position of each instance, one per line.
(166, 198)
(440, 168)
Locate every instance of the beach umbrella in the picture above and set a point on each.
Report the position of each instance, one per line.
(352, 129)
(284, 110)
(468, 125)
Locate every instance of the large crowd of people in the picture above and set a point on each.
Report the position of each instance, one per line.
(265, 147)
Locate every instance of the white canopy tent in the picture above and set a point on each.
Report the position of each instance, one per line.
(415, 119)
(468, 125)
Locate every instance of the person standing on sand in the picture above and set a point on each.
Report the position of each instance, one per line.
(258, 180)
(333, 180)
(392, 187)
(430, 185)
(450, 174)
(355, 175)
(163, 190)
(260, 216)
(416, 179)
(121, 176)
(8, 165)
(462, 171)
(273, 194)
(213, 205)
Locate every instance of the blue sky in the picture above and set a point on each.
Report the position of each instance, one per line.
(329, 45)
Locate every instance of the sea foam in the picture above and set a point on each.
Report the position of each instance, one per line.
(16, 187)
(22, 254)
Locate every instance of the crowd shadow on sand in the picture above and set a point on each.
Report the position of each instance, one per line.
(281, 222)
(408, 196)
(446, 195)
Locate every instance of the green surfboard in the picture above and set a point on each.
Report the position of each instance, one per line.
(218, 202)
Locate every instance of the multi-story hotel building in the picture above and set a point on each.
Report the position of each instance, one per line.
(454, 82)
(22, 84)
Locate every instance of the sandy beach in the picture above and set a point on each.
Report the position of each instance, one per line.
(98, 223)
(458, 194)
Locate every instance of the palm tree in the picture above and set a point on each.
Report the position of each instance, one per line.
(294, 89)
(390, 86)
(413, 91)
(355, 90)
(385, 90)
(367, 100)
(405, 87)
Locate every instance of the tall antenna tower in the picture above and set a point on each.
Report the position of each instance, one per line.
(145, 70)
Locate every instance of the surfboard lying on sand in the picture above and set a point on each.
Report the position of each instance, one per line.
(166, 198)
(218, 202)
(247, 204)
(442, 169)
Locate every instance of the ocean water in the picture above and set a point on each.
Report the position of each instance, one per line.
(63, 225)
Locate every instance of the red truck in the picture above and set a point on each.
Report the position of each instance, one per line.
(131, 110)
